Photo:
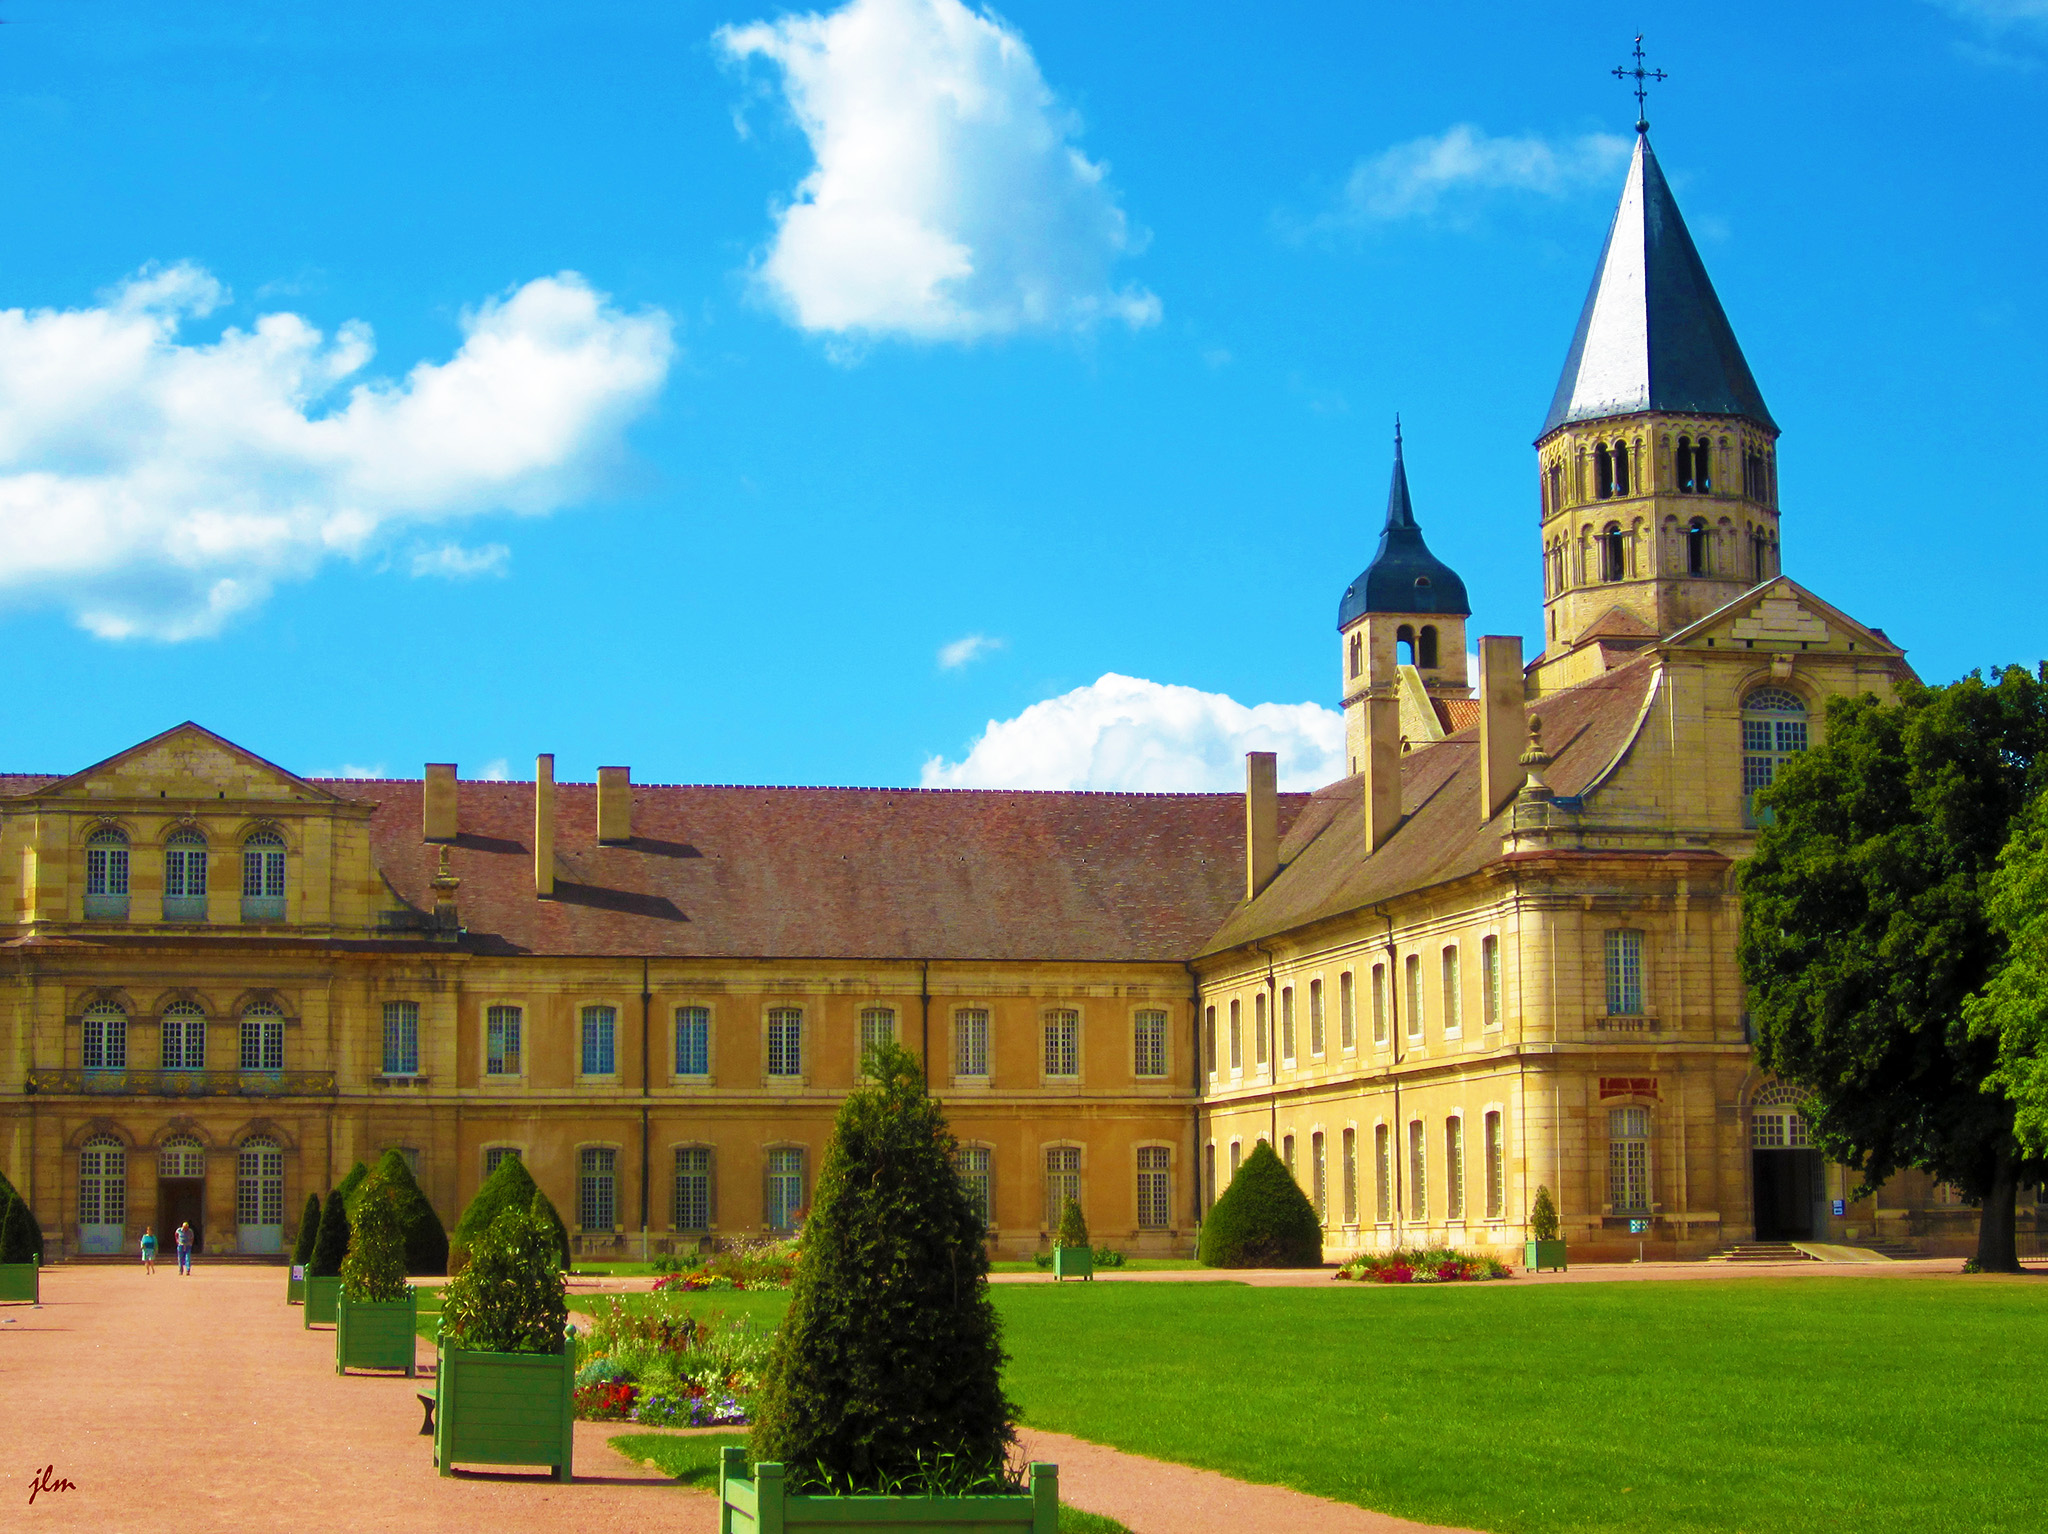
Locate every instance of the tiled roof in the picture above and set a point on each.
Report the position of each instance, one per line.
(1456, 714)
(1324, 869)
(17, 783)
(835, 872)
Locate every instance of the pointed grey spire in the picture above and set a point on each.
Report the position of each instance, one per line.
(1404, 577)
(1652, 335)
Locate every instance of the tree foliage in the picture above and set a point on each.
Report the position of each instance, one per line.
(309, 1232)
(2012, 1009)
(1543, 1216)
(887, 1372)
(1864, 930)
(375, 1267)
(330, 1243)
(510, 1186)
(1263, 1219)
(1073, 1228)
(511, 1295)
(21, 1236)
(426, 1239)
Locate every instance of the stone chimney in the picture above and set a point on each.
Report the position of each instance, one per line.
(445, 885)
(1500, 722)
(544, 823)
(1261, 820)
(437, 803)
(1381, 763)
(614, 805)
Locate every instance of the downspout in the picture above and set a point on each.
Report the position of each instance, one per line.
(646, 1034)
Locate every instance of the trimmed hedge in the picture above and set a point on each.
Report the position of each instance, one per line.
(510, 1187)
(330, 1245)
(426, 1239)
(1073, 1228)
(374, 1269)
(309, 1232)
(21, 1238)
(1263, 1220)
(511, 1295)
(886, 1374)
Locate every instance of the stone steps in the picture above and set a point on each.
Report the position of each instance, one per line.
(1760, 1251)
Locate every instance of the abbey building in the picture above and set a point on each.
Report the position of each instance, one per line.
(1499, 955)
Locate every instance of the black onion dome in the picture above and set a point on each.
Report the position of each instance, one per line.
(1404, 577)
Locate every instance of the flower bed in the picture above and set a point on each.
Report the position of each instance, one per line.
(660, 1366)
(739, 1265)
(1436, 1265)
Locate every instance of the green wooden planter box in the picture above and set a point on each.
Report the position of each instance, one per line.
(1538, 1255)
(761, 1505)
(505, 1409)
(21, 1283)
(375, 1334)
(295, 1286)
(1073, 1262)
(323, 1296)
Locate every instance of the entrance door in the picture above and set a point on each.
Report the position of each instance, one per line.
(180, 1201)
(1788, 1188)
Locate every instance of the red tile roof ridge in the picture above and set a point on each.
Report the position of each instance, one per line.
(850, 788)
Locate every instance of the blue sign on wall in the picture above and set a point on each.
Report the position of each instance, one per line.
(1841, 1207)
(1637, 1227)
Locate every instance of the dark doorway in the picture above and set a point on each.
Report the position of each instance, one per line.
(180, 1200)
(1788, 1184)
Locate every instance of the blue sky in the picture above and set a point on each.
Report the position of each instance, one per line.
(771, 358)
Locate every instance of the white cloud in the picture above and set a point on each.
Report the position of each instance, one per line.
(351, 770)
(451, 561)
(156, 487)
(949, 199)
(970, 648)
(498, 771)
(1125, 733)
(1414, 180)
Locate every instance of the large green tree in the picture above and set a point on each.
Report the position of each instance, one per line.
(2012, 1009)
(1865, 931)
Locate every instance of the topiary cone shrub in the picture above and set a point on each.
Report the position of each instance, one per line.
(425, 1238)
(509, 1187)
(330, 1243)
(887, 1373)
(1073, 1229)
(1543, 1217)
(21, 1237)
(1263, 1219)
(374, 1268)
(309, 1232)
(511, 1295)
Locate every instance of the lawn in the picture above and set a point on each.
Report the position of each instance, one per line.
(1814, 1404)
(1130, 1265)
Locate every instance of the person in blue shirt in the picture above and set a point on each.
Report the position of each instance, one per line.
(185, 1248)
(149, 1249)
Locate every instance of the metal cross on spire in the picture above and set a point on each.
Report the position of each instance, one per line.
(1643, 78)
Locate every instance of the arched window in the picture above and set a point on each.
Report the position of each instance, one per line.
(1603, 472)
(262, 1039)
(102, 1195)
(1614, 553)
(1454, 1168)
(1684, 465)
(1357, 667)
(1775, 1122)
(1404, 645)
(263, 877)
(106, 875)
(1773, 732)
(184, 1037)
(185, 876)
(1425, 648)
(259, 1196)
(181, 1156)
(1628, 1160)
(1702, 466)
(106, 1038)
(1696, 547)
(1556, 486)
(1759, 553)
(1621, 468)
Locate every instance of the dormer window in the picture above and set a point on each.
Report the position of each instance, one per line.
(106, 875)
(1696, 547)
(185, 876)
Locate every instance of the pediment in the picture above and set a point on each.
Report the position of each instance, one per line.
(1781, 615)
(188, 762)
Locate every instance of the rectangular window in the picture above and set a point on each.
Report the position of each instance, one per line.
(185, 872)
(597, 1190)
(1236, 1158)
(785, 1041)
(785, 1188)
(106, 871)
(1496, 1169)
(1287, 1153)
(1154, 1203)
(693, 1041)
(1236, 1037)
(1382, 1175)
(501, 1041)
(1150, 1043)
(1209, 1039)
(1414, 996)
(262, 1042)
(976, 1164)
(1418, 1171)
(1319, 1177)
(1209, 1176)
(1489, 981)
(263, 873)
(184, 1038)
(600, 1041)
(1287, 1024)
(1347, 1012)
(495, 1155)
(1062, 1181)
(1454, 994)
(877, 1027)
(970, 1042)
(1315, 1018)
(1063, 1043)
(1628, 1160)
(1624, 973)
(692, 1209)
(1454, 1169)
(1379, 1004)
(106, 1041)
(1259, 1027)
(401, 1038)
(1350, 1177)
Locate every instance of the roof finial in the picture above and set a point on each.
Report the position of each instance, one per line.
(1643, 77)
(1397, 431)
